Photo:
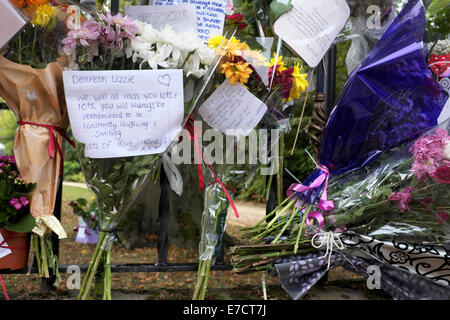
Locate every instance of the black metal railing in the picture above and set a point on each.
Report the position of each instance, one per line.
(326, 82)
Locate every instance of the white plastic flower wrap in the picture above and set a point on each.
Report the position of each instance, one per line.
(140, 86)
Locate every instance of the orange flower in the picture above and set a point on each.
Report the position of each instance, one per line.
(19, 3)
(37, 2)
(236, 72)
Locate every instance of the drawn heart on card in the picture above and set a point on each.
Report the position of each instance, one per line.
(164, 80)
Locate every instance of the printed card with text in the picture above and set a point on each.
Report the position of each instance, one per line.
(125, 112)
(11, 21)
(181, 17)
(311, 27)
(233, 110)
(210, 15)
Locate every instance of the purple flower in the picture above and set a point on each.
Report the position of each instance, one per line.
(15, 203)
(24, 201)
(118, 27)
(88, 34)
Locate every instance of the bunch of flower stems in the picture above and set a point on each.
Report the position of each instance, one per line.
(116, 183)
(46, 260)
(361, 205)
(213, 225)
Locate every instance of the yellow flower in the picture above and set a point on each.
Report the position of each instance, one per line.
(230, 48)
(42, 15)
(279, 62)
(256, 58)
(236, 48)
(215, 41)
(299, 83)
(236, 72)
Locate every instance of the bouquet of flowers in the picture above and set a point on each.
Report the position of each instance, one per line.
(276, 82)
(88, 221)
(117, 42)
(371, 119)
(31, 85)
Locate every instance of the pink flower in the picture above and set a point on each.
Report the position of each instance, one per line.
(24, 201)
(87, 35)
(15, 203)
(403, 197)
(117, 28)
(429, 155)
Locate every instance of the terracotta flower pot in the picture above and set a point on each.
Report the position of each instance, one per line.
(18, 244)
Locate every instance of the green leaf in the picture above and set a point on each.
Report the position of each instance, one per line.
(438, 5)
(24, 225)
(82, 202)
(279, 8)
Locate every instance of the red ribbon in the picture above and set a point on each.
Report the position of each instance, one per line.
(194, 133)
(8, 247)
(52, 141)
(440, 65)
(4, 288)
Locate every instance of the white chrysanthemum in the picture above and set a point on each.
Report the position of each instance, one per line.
(447, 151)
(169, 49)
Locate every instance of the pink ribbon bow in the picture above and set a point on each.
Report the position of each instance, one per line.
(324, 203)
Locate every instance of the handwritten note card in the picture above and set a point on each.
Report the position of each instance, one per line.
(210, 15)
(124, 113)
(11, 21)
(311, 27)
(233, 108)
(4, 251)
(181, 17)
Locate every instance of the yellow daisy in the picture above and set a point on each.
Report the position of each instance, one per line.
(299, 83)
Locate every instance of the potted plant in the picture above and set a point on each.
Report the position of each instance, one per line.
(15, 218)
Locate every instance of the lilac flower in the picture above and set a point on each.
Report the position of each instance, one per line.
(15, 203)
(118, 28)
(87, 35)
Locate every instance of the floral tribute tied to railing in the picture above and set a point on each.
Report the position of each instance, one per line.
(368, 172)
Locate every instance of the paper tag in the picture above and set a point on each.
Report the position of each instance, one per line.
(210, 15)
(445, 114)
(311, 27)
(124, 113)
(11, 21)
(181, 17)
(233, 107)
(4, 251)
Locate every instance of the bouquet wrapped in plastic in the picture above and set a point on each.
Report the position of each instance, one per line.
(389, 100)
(257, 87)
(31, 84)
(395, 213)
(115, 42)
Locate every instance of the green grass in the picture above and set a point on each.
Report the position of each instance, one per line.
(73, 193)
